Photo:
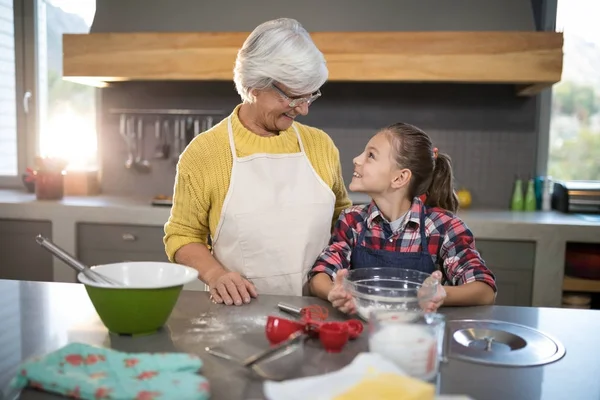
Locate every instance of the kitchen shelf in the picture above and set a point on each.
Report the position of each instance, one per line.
(572, 284)
(531, 61)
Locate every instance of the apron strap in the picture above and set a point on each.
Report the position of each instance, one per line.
(231, 142)
(424, 242)
(298, 136)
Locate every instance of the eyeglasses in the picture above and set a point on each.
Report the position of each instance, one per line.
(298, 101)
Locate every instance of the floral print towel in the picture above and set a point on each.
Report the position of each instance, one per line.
(86, 372)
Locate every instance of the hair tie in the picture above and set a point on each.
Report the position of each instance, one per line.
(435, 153)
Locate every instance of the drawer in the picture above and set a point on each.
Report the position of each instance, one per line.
(126, 238)
(27, 227)
(507, 254)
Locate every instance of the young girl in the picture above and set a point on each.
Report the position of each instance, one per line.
(398, 166)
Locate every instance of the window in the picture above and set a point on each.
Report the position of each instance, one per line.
(9, 166)
(40, 113)
(67, 110)
(574, 152)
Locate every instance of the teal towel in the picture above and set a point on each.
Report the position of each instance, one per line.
(86, 372)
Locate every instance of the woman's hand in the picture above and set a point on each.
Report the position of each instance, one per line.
(231, 288)
(339, 297)
(440, 295)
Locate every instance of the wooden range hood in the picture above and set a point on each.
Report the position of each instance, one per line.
(531, 61)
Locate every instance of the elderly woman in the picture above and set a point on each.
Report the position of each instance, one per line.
(265, 188)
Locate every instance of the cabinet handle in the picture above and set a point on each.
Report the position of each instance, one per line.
(129, 237)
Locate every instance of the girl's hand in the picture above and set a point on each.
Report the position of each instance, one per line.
(440, 295)
(339, 297)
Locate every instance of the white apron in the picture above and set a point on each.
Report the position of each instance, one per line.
(276, 220)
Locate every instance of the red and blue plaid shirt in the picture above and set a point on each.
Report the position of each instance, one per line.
(450, 242)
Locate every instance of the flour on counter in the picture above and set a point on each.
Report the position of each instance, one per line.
(208, 327)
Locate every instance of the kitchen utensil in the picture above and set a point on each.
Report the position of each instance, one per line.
(182, 135)
(145, 303)
(408, 339)
(313, 311)
(189, 130)
(158, 135)
(333, 336)
(166, 147)
(389, 289)
(178, 138)
(291, 340)
(275, 363)
(74, 263)
(141, 164)
(313, 316)
(197, 128)
(279, 329)
(290, 308)
(129, 136)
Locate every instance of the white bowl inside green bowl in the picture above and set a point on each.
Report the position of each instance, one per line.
(143, 274)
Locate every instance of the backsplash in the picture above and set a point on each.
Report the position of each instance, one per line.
(488, 131)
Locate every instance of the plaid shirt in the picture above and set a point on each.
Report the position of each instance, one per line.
(450, 242)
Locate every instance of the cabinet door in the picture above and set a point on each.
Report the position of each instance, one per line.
(22, 257)
(512, 263)
(104, 244)
(514, 287)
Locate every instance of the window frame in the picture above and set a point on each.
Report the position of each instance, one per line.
(544, 99)
(25, 13)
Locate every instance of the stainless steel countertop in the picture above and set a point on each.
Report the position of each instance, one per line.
(41, 317)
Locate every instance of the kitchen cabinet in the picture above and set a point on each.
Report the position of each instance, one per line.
(22, 257)
(110, 243)
(512, 263)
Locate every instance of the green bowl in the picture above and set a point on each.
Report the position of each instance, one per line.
(133, 311)
(145, 302)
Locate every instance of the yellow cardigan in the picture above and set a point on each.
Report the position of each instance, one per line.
(204, 172)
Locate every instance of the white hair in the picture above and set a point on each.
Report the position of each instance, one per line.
(282, 51)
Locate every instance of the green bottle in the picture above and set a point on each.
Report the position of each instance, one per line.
(530, 200)
(516, 203)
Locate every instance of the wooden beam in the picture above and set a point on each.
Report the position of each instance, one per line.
(527, 59)
(533, 89)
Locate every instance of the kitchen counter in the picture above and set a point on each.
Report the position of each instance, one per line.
(130, 210)
(549, 230)
(42, 317)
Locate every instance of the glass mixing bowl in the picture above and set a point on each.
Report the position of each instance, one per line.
(389, 289)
